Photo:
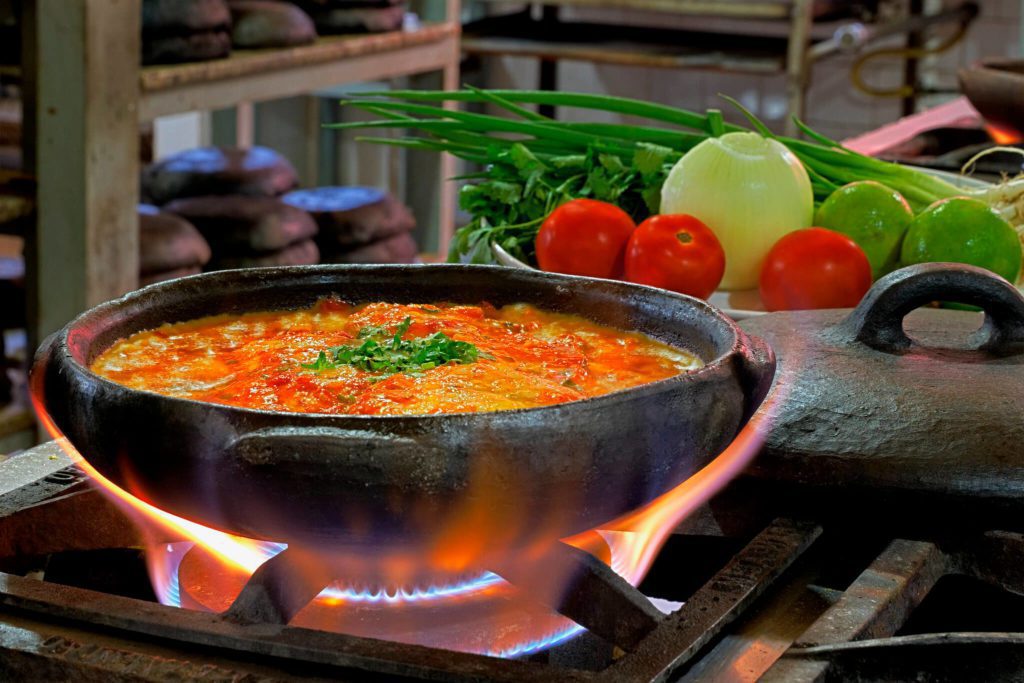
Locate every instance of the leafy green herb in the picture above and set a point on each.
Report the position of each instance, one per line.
(521, 187)
(321, 363)
(529, 165)
(386, 352)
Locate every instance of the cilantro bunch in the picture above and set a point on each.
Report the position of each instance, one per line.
(510, 200)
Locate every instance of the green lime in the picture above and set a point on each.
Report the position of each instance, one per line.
(874, 216)
(964, 230)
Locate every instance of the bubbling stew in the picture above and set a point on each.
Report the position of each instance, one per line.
(390, 359)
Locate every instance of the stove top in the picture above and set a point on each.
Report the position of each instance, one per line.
(757, 586)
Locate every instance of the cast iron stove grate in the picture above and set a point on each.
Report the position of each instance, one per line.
(771, 599)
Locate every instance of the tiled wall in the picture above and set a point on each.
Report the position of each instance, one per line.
(834, 107)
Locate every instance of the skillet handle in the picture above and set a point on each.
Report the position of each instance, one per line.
(878, 320)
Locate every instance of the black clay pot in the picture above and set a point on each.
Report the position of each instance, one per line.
(501, 477)
(923, 406)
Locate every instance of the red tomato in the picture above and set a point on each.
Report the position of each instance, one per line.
(814, 268)
(675, 252)
(584, 237)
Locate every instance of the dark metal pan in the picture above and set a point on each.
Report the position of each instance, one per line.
(504, 477)
(898, 402)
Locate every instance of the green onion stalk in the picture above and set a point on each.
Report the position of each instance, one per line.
(532, 163)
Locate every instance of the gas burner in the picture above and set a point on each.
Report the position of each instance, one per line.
(460, 592)
(480, 613)
(824, 592)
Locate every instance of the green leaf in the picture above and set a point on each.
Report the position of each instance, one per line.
(815, 135)
(716, 124)
(649, 159)
(470, 197)
(402, 329)
(532, 181)
(504, 192)
(574, 161)
(757, 123)
(652, 198)
(505, 104)
(480, 252)
(600, 184)
(523, 159)
(321, 363)
(611, 163)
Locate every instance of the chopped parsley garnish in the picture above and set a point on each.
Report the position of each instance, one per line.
(321, 363)
(387, 353)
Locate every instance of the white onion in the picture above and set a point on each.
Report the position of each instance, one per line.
(750, 190)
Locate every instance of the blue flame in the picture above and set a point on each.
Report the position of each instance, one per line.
(398, 595)
(531, 646)
(175, 552)
(170, 594)
(403, 595)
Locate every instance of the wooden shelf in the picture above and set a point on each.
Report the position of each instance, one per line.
(254, 75)
(85, 96)
(760, 9)
(549, 39)
(518, 35)
(740, 9)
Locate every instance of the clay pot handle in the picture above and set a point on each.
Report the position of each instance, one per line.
(878, 319)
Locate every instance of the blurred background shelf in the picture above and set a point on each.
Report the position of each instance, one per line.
(759, 37)
(254, 75)
(519, 35)
(79, 136)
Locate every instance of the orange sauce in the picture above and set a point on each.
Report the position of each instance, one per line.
(527, 358)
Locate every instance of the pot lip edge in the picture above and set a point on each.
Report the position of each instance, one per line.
(63, 360)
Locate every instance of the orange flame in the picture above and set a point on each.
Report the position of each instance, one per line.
(1003, 136)
(628, 544)
(647, 528)
(236, 551)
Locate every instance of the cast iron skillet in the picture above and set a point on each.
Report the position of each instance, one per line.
(392, 480)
